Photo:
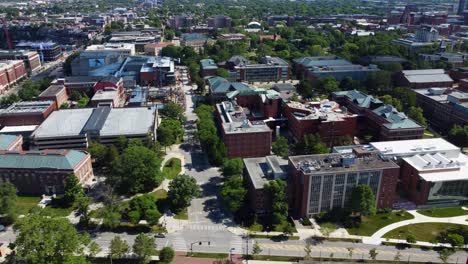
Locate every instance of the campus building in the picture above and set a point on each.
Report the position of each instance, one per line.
(11, 142)
(270, 69)
(48, 51)
(76, 128)
(243, 138)
(325, 118)
(195, 40)
(44, 172)
(419, 79)
(257, 173)
(382, 121)
(443, 107)
(31, 59)
(10, 73)
(26, 113)
(208, 67)
(320, 183)
(313, 68)
(56, 93)
(433, 171)
(219, 21)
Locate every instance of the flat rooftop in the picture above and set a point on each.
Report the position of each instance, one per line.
(6, 141)
(427, 76)
(104, 120)
(262, 170)
(105, 95)
(337, 162)
(402, 148)
(234, 120)
(439, 168)
(436, 94)
(27, 108)
(52, 90)
(327, 111)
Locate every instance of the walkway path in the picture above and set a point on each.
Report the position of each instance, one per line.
(376, 238)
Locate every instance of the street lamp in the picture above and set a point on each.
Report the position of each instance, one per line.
(230, 253)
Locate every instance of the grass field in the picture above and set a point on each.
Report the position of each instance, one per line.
(444, 212)
(422, 232)
(172, 168)
(24, 204)
(370, 224)
(210, 255)
(182, 215)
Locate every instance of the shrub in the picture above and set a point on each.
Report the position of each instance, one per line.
(166, 255)
(306, 221)
(134, 216)
(152, 216)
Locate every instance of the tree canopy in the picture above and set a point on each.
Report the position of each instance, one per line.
(182, 190)
(234, 193)
(280, 147)
(363, 200)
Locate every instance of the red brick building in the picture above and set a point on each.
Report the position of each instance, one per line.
(243, 138)
(55, 92)
(262, 104)
(31, 59)
(44, 172)
(26, 113)
(324, 118)
(110, 82)
(10, 73)
(319, 183)
(377, 119)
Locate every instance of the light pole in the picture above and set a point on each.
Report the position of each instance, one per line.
(230, 253)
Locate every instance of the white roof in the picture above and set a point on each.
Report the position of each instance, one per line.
(402, 148)
(61, 123)
(128, 121)
(13, 129)
(439, 168)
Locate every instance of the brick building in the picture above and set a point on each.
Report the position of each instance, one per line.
(55, 92)
(219, 21)
(433, 172)
(154, 49)
(10, 73)
(419, 79)
(208, 67)
(269, 69)
(257, 173)
(325, 118)
(377, 119)
(11, 142)
(31, 59)
(243, 138)
(44, 172)
(443, 107)
(26, 113)
(319, 183)
(158, 71)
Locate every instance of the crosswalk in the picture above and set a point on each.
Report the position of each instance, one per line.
(237, 244)
(205, 227)
(178, 242)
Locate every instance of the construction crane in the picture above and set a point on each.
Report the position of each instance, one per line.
(7, 34)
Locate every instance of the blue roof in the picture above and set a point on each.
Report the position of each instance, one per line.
(6, 141)
(208, 64)
(219, 85)
(360, 99)
(321, 61)
(53, 159)
(396, 120)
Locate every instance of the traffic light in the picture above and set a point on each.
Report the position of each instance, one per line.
(199, 243)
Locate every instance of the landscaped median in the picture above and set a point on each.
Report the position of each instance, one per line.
(444, 212)
(371, 224)
(430, 232)
(172, 168)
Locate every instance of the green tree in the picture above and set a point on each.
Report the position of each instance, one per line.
(173, 111)
(170, 132)
(94, 249)
(280, 147)
(144, 247)
(82, 206)
(305, 89)
(8, 199)
(98, 152)
(379, 82)
(311, 144)
(406, 96)
(234, 193)
(121, 143)
(277, 191)
(152, 216)
(456, 240)
(416, 113)
(182, 190)
(327, 228)
(256, 250)
(166, 255)
(410, 238)
(137, 170)
(373, 253)
(363, 200)
(134, 216)
(73, 190)
(118, 247)
(328, 85)
(444, 255)
(45, 240)
(222, 72)
(459, 135)
(112, 155)
(232, 167)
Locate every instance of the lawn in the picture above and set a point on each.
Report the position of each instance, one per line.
(210, 255)
(370, 224)
(159, 194)
(428, 134)
(182, 215)
(172, 168)
(24, 204)
(444, 212)
(423, 231)
(57, 211)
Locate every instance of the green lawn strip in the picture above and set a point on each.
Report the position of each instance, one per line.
(57, 211)
(159, 194)
(182, 215)
(210, 255)
(444, 212)
(172, 168)
(24, 204)
(370, 224)
(297, 259)
(423, 231)
(274, 237)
